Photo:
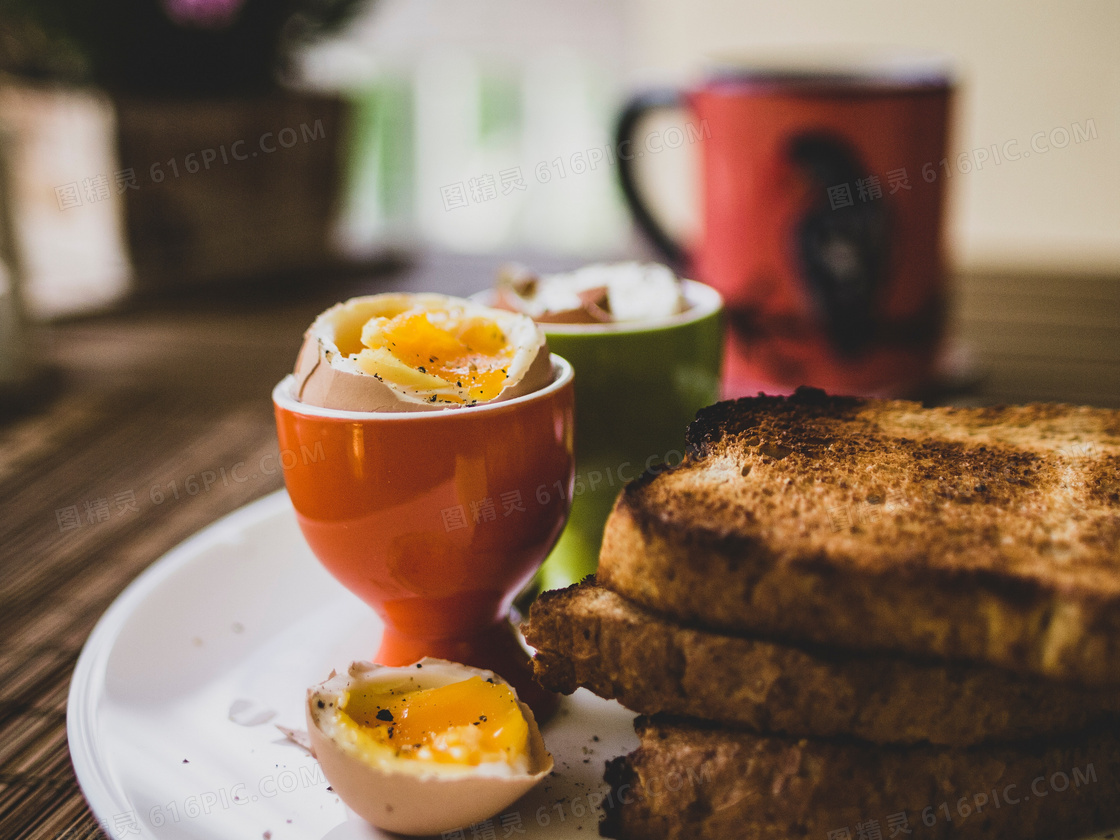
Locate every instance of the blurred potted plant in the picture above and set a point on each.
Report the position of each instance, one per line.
(226, 171)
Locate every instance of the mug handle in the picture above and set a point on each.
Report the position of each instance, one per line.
(635, 110)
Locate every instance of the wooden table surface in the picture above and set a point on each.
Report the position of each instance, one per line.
(155, 394)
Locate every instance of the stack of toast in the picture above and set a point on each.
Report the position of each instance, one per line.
(845, 619)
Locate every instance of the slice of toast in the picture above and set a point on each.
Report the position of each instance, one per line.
(589, 636)
(686, 781)
(988, 534)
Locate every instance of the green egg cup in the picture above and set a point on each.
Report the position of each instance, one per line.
(637, 388)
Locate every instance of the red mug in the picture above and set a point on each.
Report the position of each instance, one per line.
(821, 210)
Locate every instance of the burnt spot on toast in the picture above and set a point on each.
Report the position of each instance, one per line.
(779, 425)
(1103, 482)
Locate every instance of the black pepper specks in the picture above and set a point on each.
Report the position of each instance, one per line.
(385, 715)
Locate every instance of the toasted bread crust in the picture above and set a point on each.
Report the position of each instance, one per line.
(990, 535)
(685, 782)
(589, 636)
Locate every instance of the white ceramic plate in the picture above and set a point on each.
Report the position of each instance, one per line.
(243, 614)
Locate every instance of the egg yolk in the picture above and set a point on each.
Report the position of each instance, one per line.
(467, 358)
(467, 723)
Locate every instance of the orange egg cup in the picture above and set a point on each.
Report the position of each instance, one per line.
(436, 519)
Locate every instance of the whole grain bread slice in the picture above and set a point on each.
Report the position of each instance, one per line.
(988, 534)
(688, 781)
(588, 636)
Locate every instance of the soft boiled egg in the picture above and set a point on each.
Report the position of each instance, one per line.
(418, 352)
(424, 748)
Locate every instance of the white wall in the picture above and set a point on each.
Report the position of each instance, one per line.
(1026, 67)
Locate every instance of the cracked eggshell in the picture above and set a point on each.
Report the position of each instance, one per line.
(405, 796)
(326, 377)
(624, 292)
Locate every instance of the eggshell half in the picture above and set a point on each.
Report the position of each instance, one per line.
(411, 798)
(600, 293)
(325, 376)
